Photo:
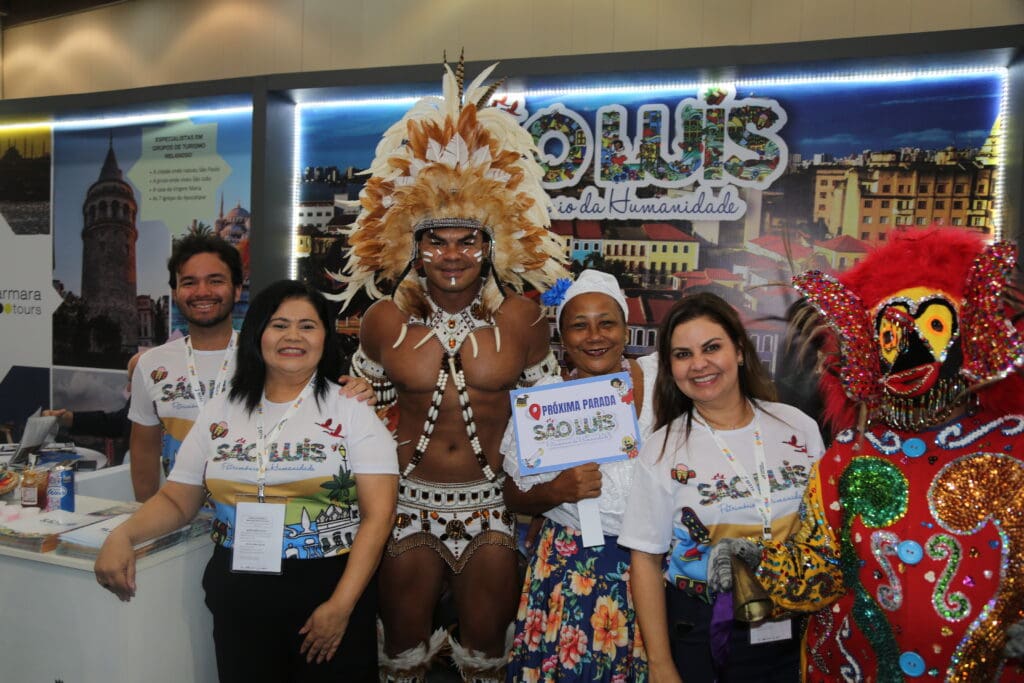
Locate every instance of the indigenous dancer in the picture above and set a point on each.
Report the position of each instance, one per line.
(912, 538)
(454, 196)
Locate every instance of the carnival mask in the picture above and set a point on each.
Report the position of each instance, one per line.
(917, 323)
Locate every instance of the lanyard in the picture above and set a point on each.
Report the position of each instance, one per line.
(222, 377)
(761, 487)
(263, 440)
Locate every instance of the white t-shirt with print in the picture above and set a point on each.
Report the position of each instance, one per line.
(311, 465)
(162, 392)
(691, 497)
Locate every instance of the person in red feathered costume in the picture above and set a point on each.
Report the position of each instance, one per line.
(911, 547)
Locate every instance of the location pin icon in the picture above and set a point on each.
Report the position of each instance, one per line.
(535, 411)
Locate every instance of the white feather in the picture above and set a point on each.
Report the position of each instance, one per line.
(454, 153)
(449, 85)
(481, 157)
(476, 90)
(415, 166)
(497, 175)
(434, 151)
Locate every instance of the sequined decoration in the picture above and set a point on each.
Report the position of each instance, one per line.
(883, 546)
(851, 322)
(826, 619)
(992, 346)
(952, 436)
(876, 491)
(850, 669)
(915, 413)
(950, 606)
(968, 493)
(792, 577)
(889, 443)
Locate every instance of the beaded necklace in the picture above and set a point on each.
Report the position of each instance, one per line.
(452, 329)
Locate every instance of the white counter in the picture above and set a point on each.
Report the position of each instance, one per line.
(112, 483)
(58, 624)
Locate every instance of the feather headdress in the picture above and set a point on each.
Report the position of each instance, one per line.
(452, 162)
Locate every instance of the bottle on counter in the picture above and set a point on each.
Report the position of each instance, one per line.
(34, 481)
(60, 491)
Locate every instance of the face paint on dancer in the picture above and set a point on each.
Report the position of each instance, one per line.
(452, 264)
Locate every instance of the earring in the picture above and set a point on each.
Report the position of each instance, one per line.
(741, 360)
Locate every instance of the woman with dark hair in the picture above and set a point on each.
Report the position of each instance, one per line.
(294, 468)
(725, 464)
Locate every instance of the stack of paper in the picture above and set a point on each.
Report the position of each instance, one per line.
(42, 531)
(85, 541)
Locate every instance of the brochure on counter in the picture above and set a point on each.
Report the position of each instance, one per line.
(85, 541)
(41, 532)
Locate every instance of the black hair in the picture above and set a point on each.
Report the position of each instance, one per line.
(199, 243)
(250, 368)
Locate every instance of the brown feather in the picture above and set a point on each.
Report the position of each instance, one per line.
(486, 97)
(460, 71)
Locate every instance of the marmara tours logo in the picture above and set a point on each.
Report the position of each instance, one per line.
(21, 302)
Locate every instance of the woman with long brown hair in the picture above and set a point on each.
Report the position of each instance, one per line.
(726, 463)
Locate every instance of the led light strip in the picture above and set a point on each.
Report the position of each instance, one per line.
(127, 120)
(293, 266)
(1000, 180)
(364, 102)
(700, 86)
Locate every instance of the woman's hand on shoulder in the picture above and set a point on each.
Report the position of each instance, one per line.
(357, 388)
(115, 566)
(577, 483)
(324, 630)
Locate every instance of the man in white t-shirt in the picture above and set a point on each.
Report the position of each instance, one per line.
(173, 381)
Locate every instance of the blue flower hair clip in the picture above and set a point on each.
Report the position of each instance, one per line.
(556, 293)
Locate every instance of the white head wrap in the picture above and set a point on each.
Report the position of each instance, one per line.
(594, 281)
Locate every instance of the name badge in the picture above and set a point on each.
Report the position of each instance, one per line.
(770, 631)
(259, 534)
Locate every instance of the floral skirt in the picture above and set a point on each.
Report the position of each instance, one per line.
(576, 620)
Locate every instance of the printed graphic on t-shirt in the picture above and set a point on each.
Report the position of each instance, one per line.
(321, 514)
(688, 561)
(178, 393)
(718, 494)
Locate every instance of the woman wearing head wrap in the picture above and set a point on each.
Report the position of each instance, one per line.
(575, 619)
